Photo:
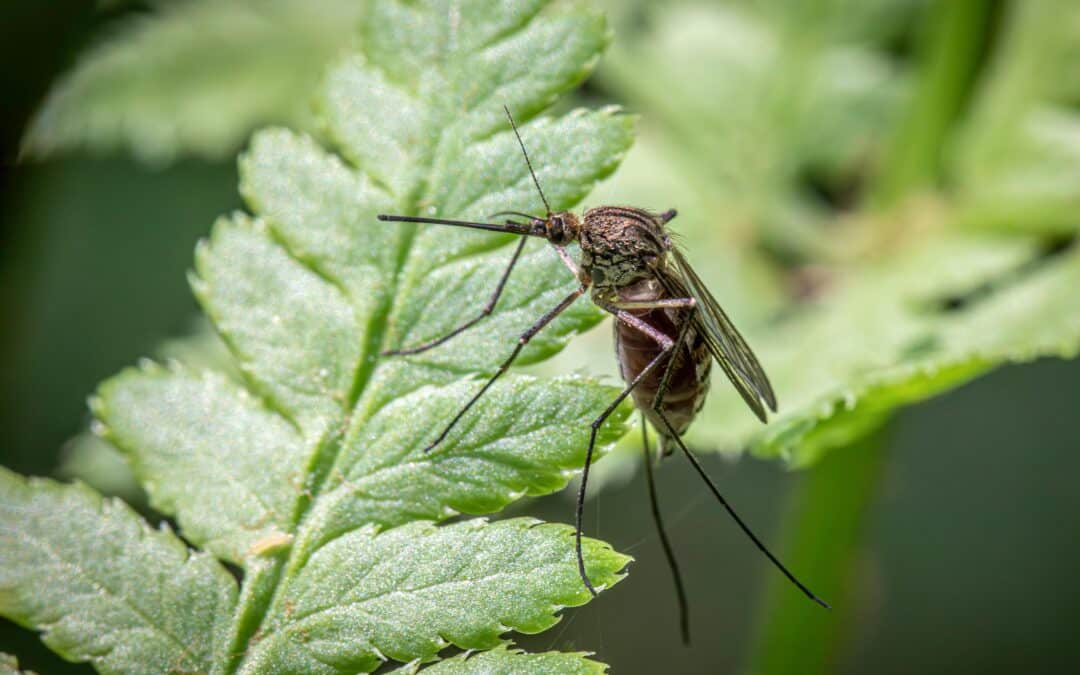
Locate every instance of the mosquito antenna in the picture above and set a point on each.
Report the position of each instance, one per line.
(515, 213)
(527, 162)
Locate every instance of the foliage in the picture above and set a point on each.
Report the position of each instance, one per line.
(883, 228)
(502, 660)
(9, 665)
(303, 465)
(194, 78)
(782, 138)
(763, 106)
(103, 585)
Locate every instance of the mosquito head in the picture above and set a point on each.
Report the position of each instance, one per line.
(562, 228)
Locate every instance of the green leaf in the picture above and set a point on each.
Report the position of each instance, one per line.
(748, 118)
(91, 459)
(103, 586)
(203, 429)
(898, 331)
(755, 97)
(409, 592)
(1017, 161)
(194, 78)
(94, 461)
(9, 665)
(505, 661)
(309, 466)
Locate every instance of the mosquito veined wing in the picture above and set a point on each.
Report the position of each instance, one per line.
(725, 343)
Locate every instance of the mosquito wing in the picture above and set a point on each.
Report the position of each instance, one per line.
(725, 343)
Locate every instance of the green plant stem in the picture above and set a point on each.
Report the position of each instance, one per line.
(822, 532)
(953, 38)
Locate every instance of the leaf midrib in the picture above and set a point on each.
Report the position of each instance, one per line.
(327, 454)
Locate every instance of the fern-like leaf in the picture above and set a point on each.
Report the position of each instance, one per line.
(305, 467)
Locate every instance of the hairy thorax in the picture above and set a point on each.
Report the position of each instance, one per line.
(622, 249)
(620, 246)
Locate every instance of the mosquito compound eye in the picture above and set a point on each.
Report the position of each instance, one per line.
(557, 230)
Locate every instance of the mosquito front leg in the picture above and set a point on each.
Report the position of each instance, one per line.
(488, 308)
(666, 303)
(567, 260)
(522, 341)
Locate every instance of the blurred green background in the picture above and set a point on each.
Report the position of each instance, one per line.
(810, 148)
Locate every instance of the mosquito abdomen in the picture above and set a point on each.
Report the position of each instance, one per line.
(689, 379)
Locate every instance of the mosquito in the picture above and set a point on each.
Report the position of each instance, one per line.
(668, 331)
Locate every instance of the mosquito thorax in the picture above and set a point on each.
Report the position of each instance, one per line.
(621, 245)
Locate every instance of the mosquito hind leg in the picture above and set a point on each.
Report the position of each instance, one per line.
(488, 308)
(672, 435)
(665, 450)
(669, 552)
(731, 511)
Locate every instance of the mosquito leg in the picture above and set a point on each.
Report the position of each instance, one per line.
(658, 408)
(571, 265)
(564, 255)
(731, 511)
(665, 303)
(522, 341)
(665, 379)
(666, 345)
(669, 552)
(488, 308)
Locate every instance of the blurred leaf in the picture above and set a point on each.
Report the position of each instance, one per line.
(200, 349)
(757, 95)
(194, 78)
(1017, 161)
(99, 464)
(9, 665)
(105, 587)
(306, 468)
(93, 460)
(505, 661)
(951, 40)
(900, 330)
(774, 116)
